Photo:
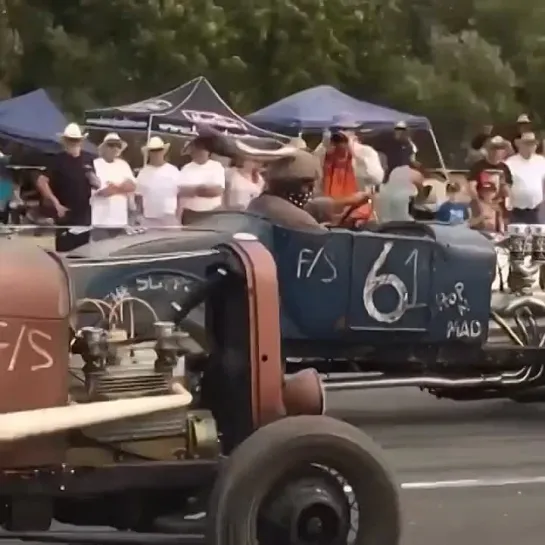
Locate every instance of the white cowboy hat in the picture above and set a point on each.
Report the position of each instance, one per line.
(523, 118)
(497, 142)
(72, 131)
(114, 138)
(401, 126)
(156, 143)
(528, 138)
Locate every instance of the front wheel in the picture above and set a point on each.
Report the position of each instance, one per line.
(305, 480)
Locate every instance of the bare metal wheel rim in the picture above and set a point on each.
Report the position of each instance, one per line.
(353, 476)
(347, 485)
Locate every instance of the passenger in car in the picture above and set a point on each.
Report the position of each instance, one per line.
(348, 167)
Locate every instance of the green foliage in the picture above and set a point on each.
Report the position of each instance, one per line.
(460, 63)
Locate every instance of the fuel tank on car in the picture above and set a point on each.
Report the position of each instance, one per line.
(34, 343)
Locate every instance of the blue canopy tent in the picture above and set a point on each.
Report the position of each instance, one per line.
(33, 120)
(316, 108)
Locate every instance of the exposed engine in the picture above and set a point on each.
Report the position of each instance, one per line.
(109, 363)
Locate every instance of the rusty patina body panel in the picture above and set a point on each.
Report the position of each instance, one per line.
(34, 331)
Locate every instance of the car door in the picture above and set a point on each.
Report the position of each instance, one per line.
(391, 280)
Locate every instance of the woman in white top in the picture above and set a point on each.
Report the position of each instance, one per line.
(110, 203)
(158, 187)
(243, 183)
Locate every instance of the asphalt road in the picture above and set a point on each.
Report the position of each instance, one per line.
(471, 472)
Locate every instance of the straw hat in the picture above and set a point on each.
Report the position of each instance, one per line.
(299, 166)
(497, 142)
(113, 138)
(528, 138)
(73, 131)
(156, 143)
(523, 118)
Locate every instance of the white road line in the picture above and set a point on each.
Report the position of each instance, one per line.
(473, 483)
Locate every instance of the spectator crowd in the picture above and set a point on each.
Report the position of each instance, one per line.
(344, 180)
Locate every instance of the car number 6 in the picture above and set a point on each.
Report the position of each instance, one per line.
(374, 281)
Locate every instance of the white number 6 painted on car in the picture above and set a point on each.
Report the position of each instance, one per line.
(374, 281)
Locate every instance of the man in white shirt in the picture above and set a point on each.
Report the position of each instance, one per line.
(110, 203)
(202, 182)
(528, 171)
(158, 187)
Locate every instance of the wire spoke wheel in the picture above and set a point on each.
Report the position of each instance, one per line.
(305, 481)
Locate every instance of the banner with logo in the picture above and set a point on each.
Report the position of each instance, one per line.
(179, 112)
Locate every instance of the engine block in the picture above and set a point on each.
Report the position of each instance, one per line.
(128, 371)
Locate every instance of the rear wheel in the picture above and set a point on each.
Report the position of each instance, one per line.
(306, 480)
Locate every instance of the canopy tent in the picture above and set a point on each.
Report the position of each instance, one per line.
(316, 108)
(33, 120)
(178, 112)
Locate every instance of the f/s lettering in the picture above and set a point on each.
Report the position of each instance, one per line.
(11, 351)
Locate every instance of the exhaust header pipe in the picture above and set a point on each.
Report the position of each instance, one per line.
(504, 379)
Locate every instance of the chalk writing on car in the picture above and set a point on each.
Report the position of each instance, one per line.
(150, 283)
(454, 299)
(161, 281)
(464, 329)
(33, 337)
(316, 263)
(406, 296)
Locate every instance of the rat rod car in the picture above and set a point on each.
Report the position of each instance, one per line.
(140, 432)
(443, 308)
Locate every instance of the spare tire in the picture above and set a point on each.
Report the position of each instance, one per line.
(275, 453)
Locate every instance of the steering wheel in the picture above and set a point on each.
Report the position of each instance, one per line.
(346, 221)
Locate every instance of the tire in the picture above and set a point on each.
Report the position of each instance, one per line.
(272, 451)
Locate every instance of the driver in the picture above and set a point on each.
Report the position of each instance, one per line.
(287, 199)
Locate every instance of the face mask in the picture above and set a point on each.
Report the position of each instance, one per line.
(293, 191)
(299, 198)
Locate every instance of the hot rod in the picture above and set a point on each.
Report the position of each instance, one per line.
(128, 425)
(444, 308)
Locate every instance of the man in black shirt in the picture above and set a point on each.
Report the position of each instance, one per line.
(492, 164)
(399, 149)
(491, 169)
(66, 185)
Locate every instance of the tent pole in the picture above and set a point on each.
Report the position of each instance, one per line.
(148, 136)
(439, 154)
